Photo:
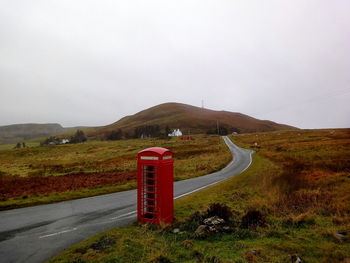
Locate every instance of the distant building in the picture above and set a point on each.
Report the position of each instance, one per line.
(64, 141)
(176, 132)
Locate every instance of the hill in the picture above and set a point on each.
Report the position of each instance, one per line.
(191, 119)
(21, 132)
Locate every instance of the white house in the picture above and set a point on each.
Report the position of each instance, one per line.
(64, 141)
(176, 132)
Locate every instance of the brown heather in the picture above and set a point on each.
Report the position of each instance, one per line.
(315, 169)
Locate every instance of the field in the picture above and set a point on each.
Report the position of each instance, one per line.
(294, 201)
(53, 173)
(12, 145)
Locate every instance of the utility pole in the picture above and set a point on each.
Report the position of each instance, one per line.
(202, 104)
(217, 127)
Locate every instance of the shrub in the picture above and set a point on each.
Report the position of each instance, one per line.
(115, 135)
(253, 219)
(78, 137)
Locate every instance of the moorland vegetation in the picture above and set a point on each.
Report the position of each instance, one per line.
(36, 175)
(293, 202)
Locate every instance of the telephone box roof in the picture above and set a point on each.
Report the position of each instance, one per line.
(157, 150)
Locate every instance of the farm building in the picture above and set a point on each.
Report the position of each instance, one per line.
(176, 132)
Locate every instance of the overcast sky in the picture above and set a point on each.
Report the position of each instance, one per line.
(87, 62)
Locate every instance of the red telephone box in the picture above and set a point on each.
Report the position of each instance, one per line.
(155, 185)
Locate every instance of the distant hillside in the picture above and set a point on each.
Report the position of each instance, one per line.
(187, 118)
(192, 120)
(21, 132)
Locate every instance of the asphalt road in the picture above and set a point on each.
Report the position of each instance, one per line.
(35, 234)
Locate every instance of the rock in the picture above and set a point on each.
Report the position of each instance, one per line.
(226, 228)
(296, 259)
(202, 231)
(176, 230)
(213, 229)
(213, 221)
(341, 236)
(211, 225)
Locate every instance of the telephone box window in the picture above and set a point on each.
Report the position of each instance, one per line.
(149, 190)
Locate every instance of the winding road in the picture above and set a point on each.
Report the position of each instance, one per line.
(35, 234)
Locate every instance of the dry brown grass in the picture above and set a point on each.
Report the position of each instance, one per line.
(85, 169)
(315, 170)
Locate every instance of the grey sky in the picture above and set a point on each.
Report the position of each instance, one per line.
(87, 62)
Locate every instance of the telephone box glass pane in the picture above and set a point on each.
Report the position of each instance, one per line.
(149, 191)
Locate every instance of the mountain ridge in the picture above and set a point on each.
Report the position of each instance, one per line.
(26, 131)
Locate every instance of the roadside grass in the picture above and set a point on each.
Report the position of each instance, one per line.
(39, 175)
(304, 206)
